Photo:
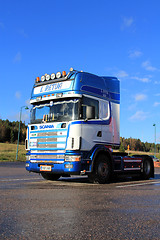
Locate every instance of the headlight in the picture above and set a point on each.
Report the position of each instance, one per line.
(48, 77)
(43, 78)
(58, 74)
(53, 76)
(70, 158)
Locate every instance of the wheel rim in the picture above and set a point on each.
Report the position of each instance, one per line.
(103, 170)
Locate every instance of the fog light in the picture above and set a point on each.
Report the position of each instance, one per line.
(68, 165)
(27, 164)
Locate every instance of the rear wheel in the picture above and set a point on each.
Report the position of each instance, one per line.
(102, 171)
(50, 176)
(147, 169)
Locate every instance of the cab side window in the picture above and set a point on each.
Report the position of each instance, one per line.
(86, 101)
(104, 110)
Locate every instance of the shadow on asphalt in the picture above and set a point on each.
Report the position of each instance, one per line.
(118, 179)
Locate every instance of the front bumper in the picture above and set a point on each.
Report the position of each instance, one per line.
(60, 168)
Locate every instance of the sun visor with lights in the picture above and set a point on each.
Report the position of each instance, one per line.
(53, 86)
(53, 76)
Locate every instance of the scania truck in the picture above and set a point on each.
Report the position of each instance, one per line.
(74, 126)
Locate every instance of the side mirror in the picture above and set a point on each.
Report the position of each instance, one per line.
(90, 112)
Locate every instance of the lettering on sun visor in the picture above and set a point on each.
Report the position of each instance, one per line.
(52, 87)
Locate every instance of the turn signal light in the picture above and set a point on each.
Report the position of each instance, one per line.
(64, 73)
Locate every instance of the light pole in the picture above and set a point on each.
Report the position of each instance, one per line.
(154, 125)
(19, 128)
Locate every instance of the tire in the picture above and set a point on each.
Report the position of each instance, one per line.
(147, 169)
(102, 171)
(50, 176)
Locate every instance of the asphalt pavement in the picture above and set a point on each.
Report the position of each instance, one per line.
(33, 208)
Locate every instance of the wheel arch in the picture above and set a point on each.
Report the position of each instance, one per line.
(97, 152)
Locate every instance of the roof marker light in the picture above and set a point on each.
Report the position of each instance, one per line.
(53, 76)
(43, 78)
(58, 74)
(71, 69)
(37, 79)
(64, 73)
(48, 77)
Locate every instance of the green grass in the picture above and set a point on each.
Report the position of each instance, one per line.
(141, 153)
(8, 152)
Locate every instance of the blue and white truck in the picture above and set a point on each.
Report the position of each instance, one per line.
(74, 125)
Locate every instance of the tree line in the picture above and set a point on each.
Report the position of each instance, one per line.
(9, 131)
(137, 145)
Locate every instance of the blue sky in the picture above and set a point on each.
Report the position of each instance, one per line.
(118, 38)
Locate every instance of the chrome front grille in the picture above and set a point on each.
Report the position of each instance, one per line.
(36, 157)
(41, 134)
(47, 139)
(48, 145)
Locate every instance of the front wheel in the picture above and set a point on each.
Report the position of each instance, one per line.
(102, 171)
(50, 176)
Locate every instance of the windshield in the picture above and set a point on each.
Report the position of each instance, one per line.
(60, 111)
